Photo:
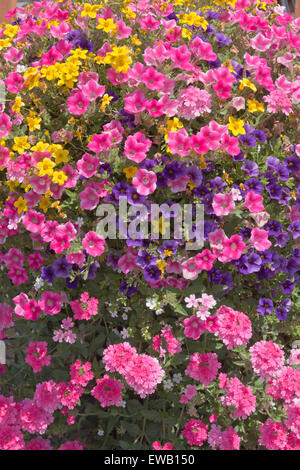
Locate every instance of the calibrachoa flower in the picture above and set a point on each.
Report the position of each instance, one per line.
(108, 391)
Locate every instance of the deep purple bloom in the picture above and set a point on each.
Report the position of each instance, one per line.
(223, 40)
(254, 184)
(144, 258)
(48, 274)
(174, 170)
(260, 135)
(282, 239)
(274, 227)
(152, 273)
(274, 190)
(247, 140)
(265, 306)
(292, 163)
(281, 313)
(287, 287)
(294, 228)
(61, 267)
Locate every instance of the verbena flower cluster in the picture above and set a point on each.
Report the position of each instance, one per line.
(140, 342)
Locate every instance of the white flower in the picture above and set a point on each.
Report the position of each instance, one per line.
(124, 333)
(124, 316)
(159, 311)
(114, 313)
(38, 283)
(100, 432)
(168, 384)
(151, 303)
(21, 68)
(123, 404)
(177, 378)
(79, 221)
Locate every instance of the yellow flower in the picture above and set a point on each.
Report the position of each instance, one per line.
(161, 265)
(11, 30)
(21, 205)
(186, 33)
(255, 106)
(40, 146)
(17, 105)
(61, 156)
(90, 10)
(46, 167)
(105, 101)
(107, 25)
(135, 40)
(33, 123)
(167, 252)
(59, 177)
(236, 126)
(119, 59)
(130, 171)
(44, 203)
(21, 144)
(247, 83)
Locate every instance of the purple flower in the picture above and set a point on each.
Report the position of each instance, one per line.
(47, 274)
(282, 239)
(247, 140)
(254, 184)
(274, 190)
(223, 40)
(292, 163)
(61, 267)
(265, 306)
(144, 258)
(273, 163)
(151, 273)
(294, 228)
(174, 170)
(281, 313)
(260, 135)
(195, 174)
(287, 287)
(274, 227)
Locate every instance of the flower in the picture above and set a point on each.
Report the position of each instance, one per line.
(93, 243)
(108, 391)
(145, 182)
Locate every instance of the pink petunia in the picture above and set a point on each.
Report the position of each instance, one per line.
(145, 182)
(93, 244)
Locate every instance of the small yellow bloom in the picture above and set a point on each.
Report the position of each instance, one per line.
(44, 203)
(33, 123)
(59, 177)
(21, 205)
(167, 252)
(17, 105)
(161, 265)
(107, 25)
(247, 83)
(236, 126)
(11, 30)
(105, 101)
(130, 171)
(255, 105)
(46, 167)
(21, 144)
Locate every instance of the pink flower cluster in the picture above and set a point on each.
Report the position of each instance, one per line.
(173, 345)
(239, 396)
(195, 432)
(233, 327)
(86, 308)
(267, 358)
(203, 367)
(142, 372)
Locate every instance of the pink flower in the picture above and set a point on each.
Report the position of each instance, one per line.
(6, 320)
(88, 165)
(144, 182)
(92, 90)
(143, 373)
(137, 146)
(202, 50)
(46, 396)
(4, 156)
(233, 247)
(230, 145)
(5, 125)
(155, 108)
(37, 355)
(273, 435)
(222, 89)
(11, 438)
(225, 440)
(33, 221)
(179, 142)
(13, 55)
(14, 82)
(233, 327)
(193, 327)
(100, 142)
(93, 244)
(198, 142)
(253, 202)
(50, 302)
(259, 239)
(152, 79)
(71, 445)
(38, 443)
(17, 275)
(203, 367)
(78, 103)
(223, 204)
(193, 102)
(89, 198)
(32, 310)
(157, 446)
(135, 102)
(80, 373)
(35, 261)
(266, 358)
(190, 268)
(108, 391)
(240, 397)
(195, 432)
(189, 392)
(173, 345)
